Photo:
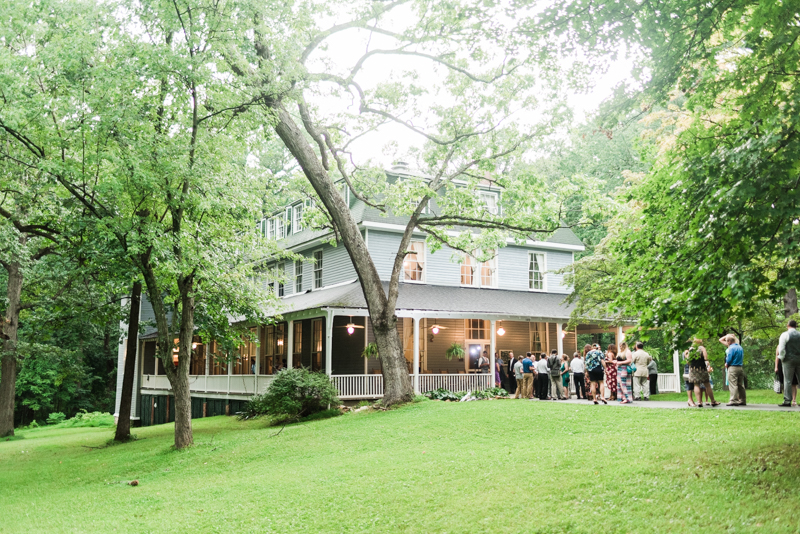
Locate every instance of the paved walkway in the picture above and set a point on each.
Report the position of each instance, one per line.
(675, 405)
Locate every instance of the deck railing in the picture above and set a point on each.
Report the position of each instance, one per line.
(355, 386)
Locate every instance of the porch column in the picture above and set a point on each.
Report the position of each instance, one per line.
(415, 363)
(676, 365)
(620, 336)
(258, 358)
(492, 350)
(208, 363)
(290, 342)
(560, 338)
(329, 343)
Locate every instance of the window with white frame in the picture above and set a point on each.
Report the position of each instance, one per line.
(537, 269)
(477, 328)
(414, 262)
(281, 274)
(317, 269)
(279, 227)
(490, 201)
(287, 217)
(298, 276)
(297, 218)
(468, 277)
(538, 333)
(270, 228)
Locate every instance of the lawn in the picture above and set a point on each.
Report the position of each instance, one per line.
(490, 466)
(758, 396)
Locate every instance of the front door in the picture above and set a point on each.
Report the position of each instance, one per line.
(474, 350)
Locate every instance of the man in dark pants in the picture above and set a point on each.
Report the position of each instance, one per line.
(512, 381)
(577, 367)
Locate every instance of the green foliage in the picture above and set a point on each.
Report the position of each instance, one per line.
(442, 394)
(55, 418)
(455, 351)
(370, 351)
(89, 419)
(294, 393)
(446, 395)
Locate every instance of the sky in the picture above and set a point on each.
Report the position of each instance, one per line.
(393, 141)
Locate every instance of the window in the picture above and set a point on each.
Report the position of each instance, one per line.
(298, 276)
(468, 271)
(246, 362)
(281, 273)
(270, 228)
(489, 200)
(288, 221)
(489, 273)
(198, 365)
(538, 332)
(414, 262)
(297, 218)
(217, 364)
(317, 269)
(477, 329)
(297, 351)
(279, 227)
(316, 345)
(536, 271)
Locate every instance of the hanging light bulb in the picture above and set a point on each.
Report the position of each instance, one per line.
(194, 346)
(435, 329)
(501, 331)
(350, 330)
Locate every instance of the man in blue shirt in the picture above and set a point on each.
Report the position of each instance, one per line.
(734, 358)
(527, 376)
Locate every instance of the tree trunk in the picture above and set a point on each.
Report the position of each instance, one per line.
(8, 367)
(790, 303)
(124, 414)
(397, 384)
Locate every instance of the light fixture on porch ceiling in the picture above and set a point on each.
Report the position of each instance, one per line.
(501, 330)
(351, 326)
(563, 332)
(435, 328)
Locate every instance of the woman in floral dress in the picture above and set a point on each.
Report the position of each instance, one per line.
(624, 359)
(611, 371)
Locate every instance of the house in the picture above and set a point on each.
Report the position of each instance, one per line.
(513, 302)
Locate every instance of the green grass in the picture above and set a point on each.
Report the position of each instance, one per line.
(491, 466)
(757, 396)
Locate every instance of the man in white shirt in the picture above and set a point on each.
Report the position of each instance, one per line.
(518, 374)
(788, 353)
(577, 367)
(641, 390)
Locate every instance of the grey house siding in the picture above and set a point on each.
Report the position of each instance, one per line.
(517, 337)
(442, 268)
(513, 268)
(336, 267)
(383, 247)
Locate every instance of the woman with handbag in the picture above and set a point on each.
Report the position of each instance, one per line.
(611, 372)
(623, 360)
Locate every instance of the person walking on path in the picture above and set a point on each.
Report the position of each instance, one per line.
(622, 363)
(565, 376)
(576, 366)
(595, 365)
(556, 384)
(652, 373)
(699, 370)
(734, 359)
(528, 372)
(611, 372)
(641, 360)
(789, 354)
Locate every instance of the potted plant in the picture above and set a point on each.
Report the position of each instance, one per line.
(455, 351)
(370, 351)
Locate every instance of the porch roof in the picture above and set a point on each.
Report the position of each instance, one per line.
(433, 298)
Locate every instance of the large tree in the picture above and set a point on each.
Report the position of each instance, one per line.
(472, 82)
(712, 232)
(154, 145)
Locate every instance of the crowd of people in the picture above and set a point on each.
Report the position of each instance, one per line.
(625, 376)
(598, 376)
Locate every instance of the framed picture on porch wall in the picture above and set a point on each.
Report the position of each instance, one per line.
(505, 355)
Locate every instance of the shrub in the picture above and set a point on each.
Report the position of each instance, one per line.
(55, 418)
(443, 394)
(89, 419)
(293, 394)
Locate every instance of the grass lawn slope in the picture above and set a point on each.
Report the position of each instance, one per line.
(491, 466)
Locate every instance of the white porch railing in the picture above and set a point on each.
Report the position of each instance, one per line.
(668, 383)
(225, 384)
(455, 382)
(358, 386)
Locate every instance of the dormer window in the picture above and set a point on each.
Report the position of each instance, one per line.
(270, 229)
(414, 262)
(489, 199)
(297, 218)
(279, 228)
